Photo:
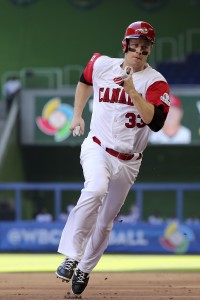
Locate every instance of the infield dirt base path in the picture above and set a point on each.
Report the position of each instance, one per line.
(121, 286)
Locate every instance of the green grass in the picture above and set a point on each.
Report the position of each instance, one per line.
(108, 263)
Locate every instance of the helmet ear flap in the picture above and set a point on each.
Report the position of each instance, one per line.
(125, 45)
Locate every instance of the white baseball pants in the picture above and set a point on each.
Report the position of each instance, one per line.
(107, 183)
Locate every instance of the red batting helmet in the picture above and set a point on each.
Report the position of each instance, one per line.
(137, 30)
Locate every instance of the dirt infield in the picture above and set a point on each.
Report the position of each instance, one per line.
(121, 286)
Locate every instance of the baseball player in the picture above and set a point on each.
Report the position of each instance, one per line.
(129, 99)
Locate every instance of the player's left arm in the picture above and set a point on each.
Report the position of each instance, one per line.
(153, 110)
(158, 95)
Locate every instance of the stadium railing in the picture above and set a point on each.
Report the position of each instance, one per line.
(57, 188)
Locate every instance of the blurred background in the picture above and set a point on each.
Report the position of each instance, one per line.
(45, 45)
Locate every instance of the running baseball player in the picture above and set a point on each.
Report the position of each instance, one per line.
(130, 99)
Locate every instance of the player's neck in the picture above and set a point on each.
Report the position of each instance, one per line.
(135, 67)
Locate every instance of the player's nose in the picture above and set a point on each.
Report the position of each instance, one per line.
(139, 50)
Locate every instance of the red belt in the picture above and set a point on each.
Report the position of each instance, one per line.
(117, 154)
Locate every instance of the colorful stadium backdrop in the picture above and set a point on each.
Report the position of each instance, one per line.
(46, 117)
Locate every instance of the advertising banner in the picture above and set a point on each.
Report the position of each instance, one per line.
(170, 238)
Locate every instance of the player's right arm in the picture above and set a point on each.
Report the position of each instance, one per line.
(82, 94)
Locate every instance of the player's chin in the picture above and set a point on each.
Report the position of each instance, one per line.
(137, 60)
(138, 64)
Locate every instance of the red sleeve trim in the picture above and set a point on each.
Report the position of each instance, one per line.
(155, 93)
(87, 73)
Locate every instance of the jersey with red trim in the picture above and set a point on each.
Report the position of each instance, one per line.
(87, 73)
(115, 120)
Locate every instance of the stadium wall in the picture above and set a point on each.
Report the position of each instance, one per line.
(51, 33)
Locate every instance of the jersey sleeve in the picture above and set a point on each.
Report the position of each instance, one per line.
(86, 76)
(158, 95)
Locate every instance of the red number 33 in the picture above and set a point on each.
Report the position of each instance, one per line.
(134, 120)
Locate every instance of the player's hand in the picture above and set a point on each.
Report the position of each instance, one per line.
(127, 72)
(129, 86)
(77, 127)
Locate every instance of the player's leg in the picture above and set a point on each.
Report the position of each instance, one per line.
(83, 216)
(119, 187)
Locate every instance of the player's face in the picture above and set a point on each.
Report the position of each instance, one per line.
(138, 52)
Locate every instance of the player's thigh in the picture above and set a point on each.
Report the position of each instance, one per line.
(96, 166)
(119, 187)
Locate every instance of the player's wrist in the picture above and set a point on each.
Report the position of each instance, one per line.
(134, 95)
(77, 115)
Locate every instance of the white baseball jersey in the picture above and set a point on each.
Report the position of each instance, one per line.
(115, 120)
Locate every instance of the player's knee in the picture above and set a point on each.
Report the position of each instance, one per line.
(99, 193)
(104, 225)
(105, 228)
(98, 190)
